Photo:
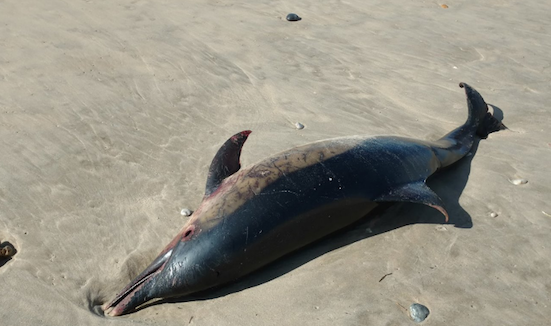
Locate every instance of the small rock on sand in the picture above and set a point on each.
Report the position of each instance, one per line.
(418, 312)
(293, 17)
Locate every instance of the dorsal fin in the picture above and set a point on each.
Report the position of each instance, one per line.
(226, 161)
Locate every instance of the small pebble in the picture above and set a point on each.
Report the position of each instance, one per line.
(293, 17)
(444, 6)
(299, 126)
(418, 312)
(185, 212)
(493, 214)
(518, 182)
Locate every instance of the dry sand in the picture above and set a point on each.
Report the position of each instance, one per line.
(110, 112)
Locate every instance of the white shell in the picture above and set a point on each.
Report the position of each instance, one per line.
(185, 212)
(517, 182)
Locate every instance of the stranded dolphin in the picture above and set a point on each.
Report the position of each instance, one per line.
(253, 216)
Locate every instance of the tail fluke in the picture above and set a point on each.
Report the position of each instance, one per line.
(479, 117)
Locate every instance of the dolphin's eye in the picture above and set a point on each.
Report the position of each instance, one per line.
(188, 233)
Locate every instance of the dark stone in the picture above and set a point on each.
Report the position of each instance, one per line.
(418, 312)
(293, 17)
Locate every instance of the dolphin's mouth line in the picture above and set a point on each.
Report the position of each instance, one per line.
(134, 286)
(155, 268)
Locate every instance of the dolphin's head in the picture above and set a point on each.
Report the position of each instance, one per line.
(183, 267)
(188, 263)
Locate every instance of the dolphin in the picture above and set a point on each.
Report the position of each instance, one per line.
(252, 216)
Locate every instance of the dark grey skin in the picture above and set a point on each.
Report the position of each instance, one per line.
(250, 217)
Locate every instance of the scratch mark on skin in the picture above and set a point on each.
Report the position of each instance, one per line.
(284, 174)
(279, 192)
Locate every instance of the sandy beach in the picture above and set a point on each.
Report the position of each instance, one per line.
(111, 112)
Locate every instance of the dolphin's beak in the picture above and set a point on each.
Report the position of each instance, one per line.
(138, 291)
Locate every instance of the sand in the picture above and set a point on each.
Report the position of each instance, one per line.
(110, 112)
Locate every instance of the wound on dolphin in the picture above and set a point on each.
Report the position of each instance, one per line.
(252, 216)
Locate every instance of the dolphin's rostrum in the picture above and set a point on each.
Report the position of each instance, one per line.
(250, 217)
